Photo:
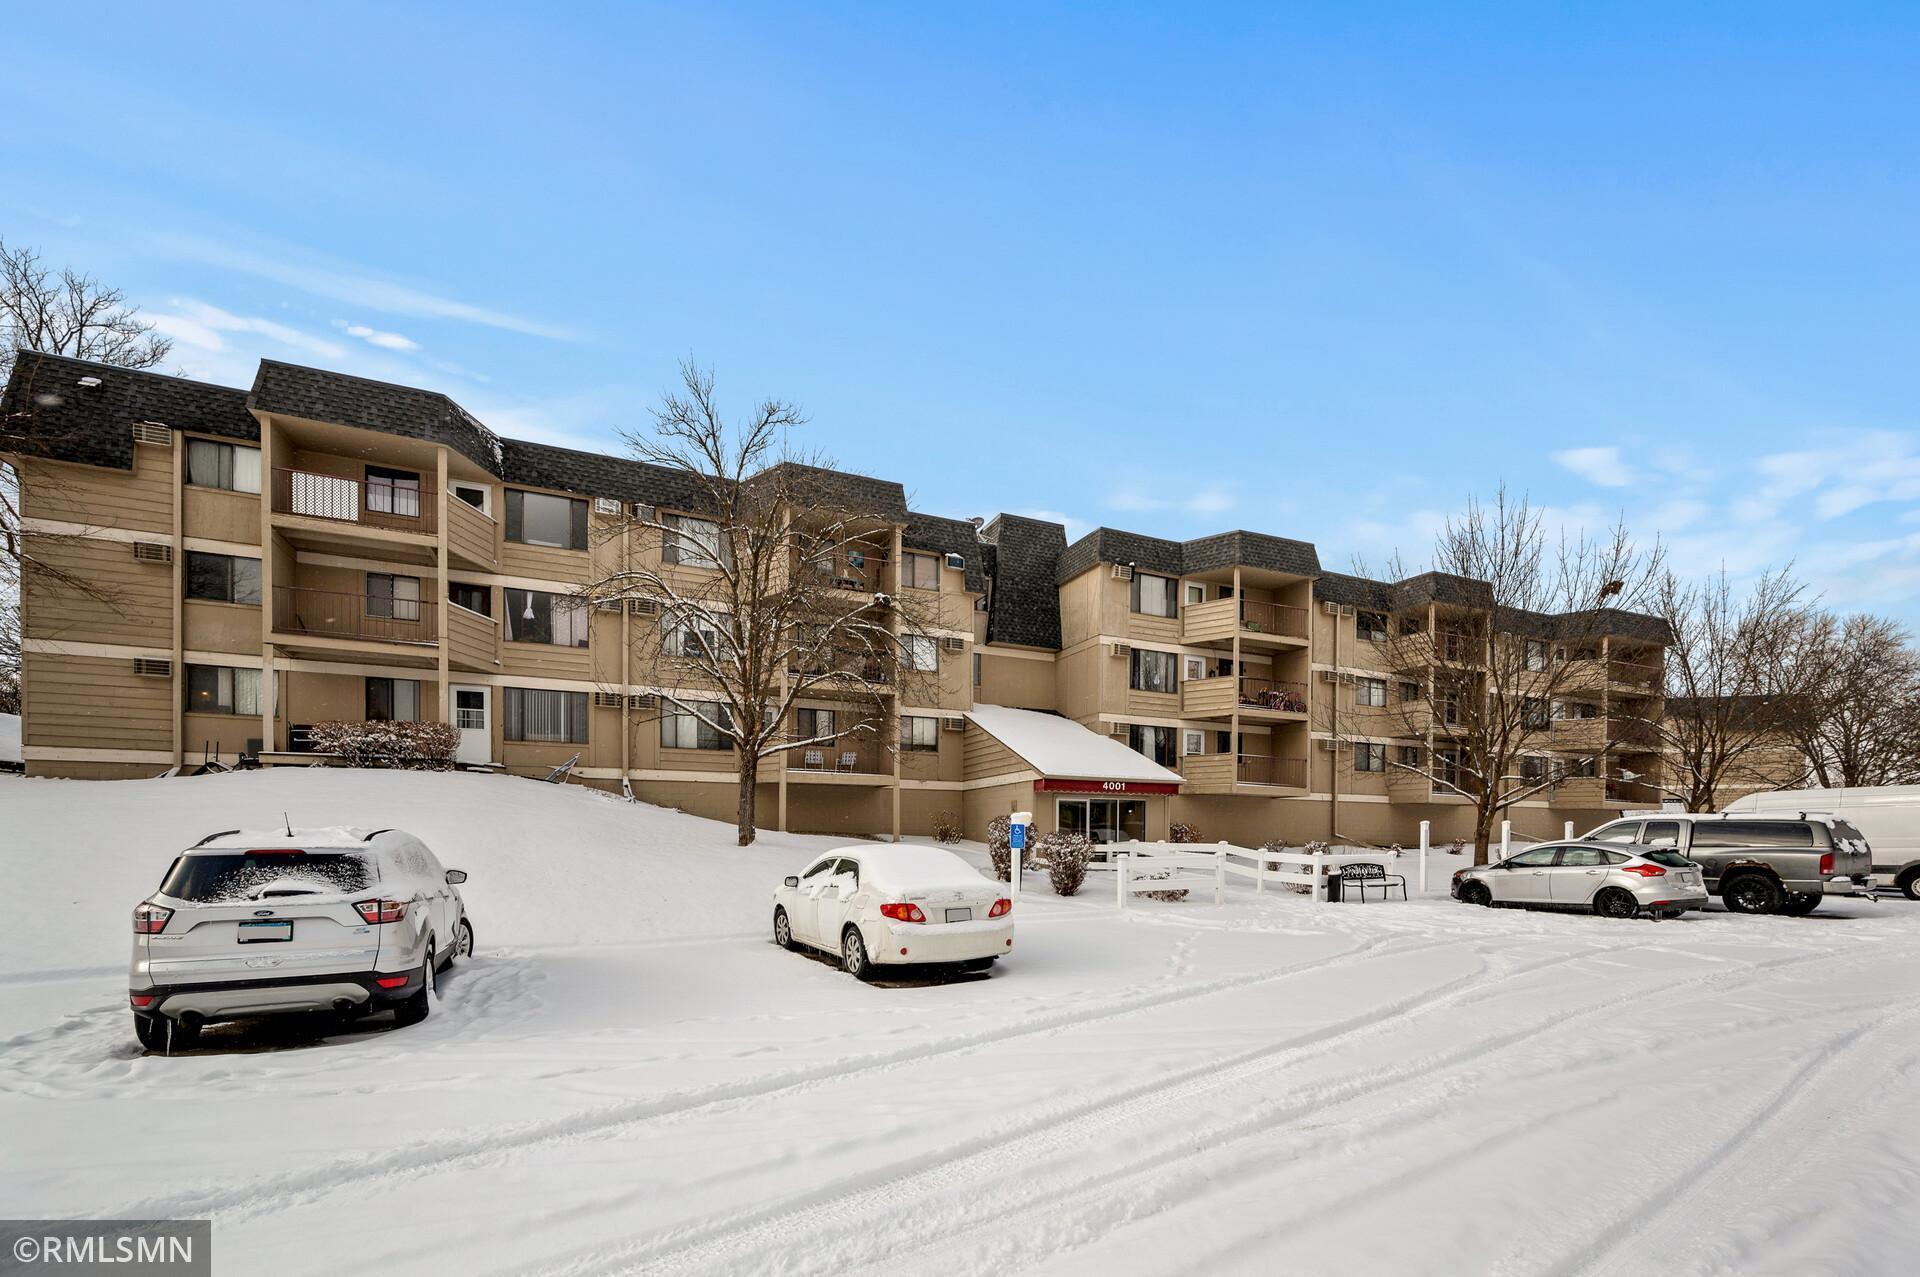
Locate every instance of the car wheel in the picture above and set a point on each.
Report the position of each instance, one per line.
(783, 930)
(1754, 893)
(853, 955)
(1799, 904)
(1476, 893)
(416, 1008)
(462, 942)
(1909, 884)
(1615, 902)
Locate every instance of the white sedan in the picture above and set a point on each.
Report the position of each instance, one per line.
(877, 904)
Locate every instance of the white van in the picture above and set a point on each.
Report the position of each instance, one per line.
(1887, 815)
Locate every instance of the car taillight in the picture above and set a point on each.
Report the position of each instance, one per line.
(391, 981)
(381, 910)
(142, 999)
(1645, 871)
(150, 919)
(1001, 907)
(902, 912)
(1826, 863)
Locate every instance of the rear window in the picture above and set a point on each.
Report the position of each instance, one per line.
(1845, 830)
(1671, 859)
(240, 875)
(1752, 833)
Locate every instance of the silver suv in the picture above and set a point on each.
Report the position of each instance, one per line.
(350, 921)
(1759, 864)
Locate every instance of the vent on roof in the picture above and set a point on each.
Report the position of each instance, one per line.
(607, 506)
(154, 433)
(1123, 571)
(644, 700)
(954, 723)
(152, 667)
(644, 607)
(643, 512)
(954, 644)
(152, 552)
(609, 700)
(1118, 649)
(957, 562)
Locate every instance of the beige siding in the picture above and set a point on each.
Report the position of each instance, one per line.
(986, 756)
(141, 499)
(120, 601)
(89, 702)
(221, 627)
(217, 515)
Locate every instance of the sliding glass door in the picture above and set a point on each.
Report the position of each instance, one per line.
(1102, 820)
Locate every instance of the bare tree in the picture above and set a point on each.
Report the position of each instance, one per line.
(1730, 681)
(778, 590)
(1484, 648)
(1858, 703)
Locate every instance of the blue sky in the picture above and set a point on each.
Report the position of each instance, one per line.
(1322, 271)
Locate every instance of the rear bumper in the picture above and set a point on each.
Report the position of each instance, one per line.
(951, 942)
(1847, 886)
(234, 999)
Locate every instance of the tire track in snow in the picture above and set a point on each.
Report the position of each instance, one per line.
(959, 1172)
(421, 1158)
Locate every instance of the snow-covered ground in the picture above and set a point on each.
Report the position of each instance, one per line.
(629, 1078)
(9, 738)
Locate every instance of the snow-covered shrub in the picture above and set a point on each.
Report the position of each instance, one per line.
(1066, 856)
(1172, 894)
(946, 827)
(1397, 850)
(999, 849)
(1457, 846)
(1181, 831)
(412, 746)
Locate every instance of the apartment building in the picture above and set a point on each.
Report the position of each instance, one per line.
(222, 568)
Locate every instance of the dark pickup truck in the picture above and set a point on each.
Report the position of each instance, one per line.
(1759, 864)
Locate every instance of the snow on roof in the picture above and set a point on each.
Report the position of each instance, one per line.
(1061, 747)
(9, 738)
(328, 836)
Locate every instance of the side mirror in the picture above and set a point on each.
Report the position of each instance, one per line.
(792, 880)
(456, 876)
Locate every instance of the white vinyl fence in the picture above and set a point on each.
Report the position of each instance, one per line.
(1175, 866)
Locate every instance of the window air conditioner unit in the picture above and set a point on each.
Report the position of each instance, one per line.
(957, 562)
(609, 700)
(1329, 676)
(644, 512)
(1346, 609)
(610, 605)
(1329, 746)
(954, 644)
(154, 433)
(607, 506)
(644, 607)
(152, 552)
(152, 667)
(954, 723)
(1349, 677)
(644, 700)
(1123, 571)
(1330, 608)
(1118, 649)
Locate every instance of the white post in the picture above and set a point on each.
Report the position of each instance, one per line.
(1121, 876)
(1567, 832)
(1260, 872)
(1506, 838)
(1220, 876)
(1426, 842)
(1319, 869)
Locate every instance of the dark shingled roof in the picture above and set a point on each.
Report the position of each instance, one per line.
(1183, 558)
(1355, 591)
(318, 395)
(541, 465)
(837, 489)
(48, 413)
(950, 536)
(1024, 607)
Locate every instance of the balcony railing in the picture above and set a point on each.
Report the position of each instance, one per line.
(1271, 769)
(338, 614)
(1281, 619)
(839, 759)
(370, 503)
(1265, 694)
(1634, 674)
(863, 572)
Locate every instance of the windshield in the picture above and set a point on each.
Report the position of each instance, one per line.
(1671, 859)
(253, 875)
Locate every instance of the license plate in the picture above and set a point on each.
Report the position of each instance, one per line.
(265, 932)
(959, 915)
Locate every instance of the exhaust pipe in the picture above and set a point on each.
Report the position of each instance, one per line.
(342, 1005)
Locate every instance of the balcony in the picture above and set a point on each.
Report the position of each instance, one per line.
(855, 571)
(1629, 678)
(332, 498)
(1417, 651)
(849, 674)
(1577, 733)
(1258, 624)
(1257, 699)
(1406, 785)
(1242, 774)
(473, 640)
(336, 614)
(472, 537)
(841, 763)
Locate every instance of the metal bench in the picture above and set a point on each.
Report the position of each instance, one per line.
(1365, 876)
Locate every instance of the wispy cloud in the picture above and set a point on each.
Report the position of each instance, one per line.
(1212, 499)
(375, 337)
(1603, 466)
(206, 327)
(343, 282)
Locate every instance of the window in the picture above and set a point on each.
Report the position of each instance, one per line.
(1152, 671)
(1370, 691)
(1575, 709)
(1193, 592)
(920, 572)
(223, 465)
(536, 714)
(537, 518)
(396, 598)
(1407, 755)
(228, 877)
(695, 636)
(681, 728)
(1369, 757)
(1533, 769)
(1583, 858)
(1371, 626)
(1409, 693)
(473, 494)
(1193, 742)
(534, 616)
(1411, 625)
(1536, 654)
(1153, 595)
(976, 669)
(393, 700)
(1193, 668)
(1533, 712)
(1619, 831)
(1752, 833)
(690, 542)
(393, 492)
(220, 689)
(222, 578)
(1155, 742)
(474, 598)
(1662, 831)
(921, 651)
(470, 709)
(1538, 858)
(918, 732)
(814, 723)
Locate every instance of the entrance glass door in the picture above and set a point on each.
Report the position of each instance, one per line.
(1102, 820)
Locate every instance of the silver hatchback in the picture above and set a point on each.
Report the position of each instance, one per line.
(1614, 880)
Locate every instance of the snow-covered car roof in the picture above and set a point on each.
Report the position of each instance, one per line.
(903, 865)
(332, 837)
(1060, 747)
